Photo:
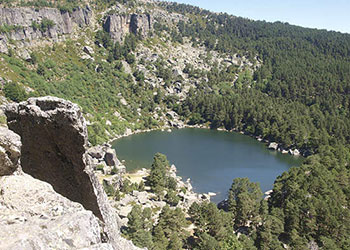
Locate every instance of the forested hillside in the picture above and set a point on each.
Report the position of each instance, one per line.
(276, 81)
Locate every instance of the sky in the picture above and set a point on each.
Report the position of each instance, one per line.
(321, 14)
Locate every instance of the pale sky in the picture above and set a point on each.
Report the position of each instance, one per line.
(321, 14)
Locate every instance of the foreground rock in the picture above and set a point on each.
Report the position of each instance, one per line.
(54, 140)
(34, 216)
(10, 151)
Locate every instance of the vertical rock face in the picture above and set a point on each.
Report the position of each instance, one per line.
(118, 26)
(54, 138)
(24, 18)
(140, 24)
(10, 151)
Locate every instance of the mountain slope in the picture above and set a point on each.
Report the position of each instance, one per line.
(145, 65)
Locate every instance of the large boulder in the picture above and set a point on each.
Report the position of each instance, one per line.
(104, 158)
(10, 151)
(54, 141)
(273, 146)
(111, 158)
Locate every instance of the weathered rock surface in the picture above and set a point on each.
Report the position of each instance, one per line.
(141, 24)
(54, 138)
(10, 151)
(24, 17)
(34, 216)
(104, 156)
(118, 26)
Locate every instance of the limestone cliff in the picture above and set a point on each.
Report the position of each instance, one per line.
(54, 140)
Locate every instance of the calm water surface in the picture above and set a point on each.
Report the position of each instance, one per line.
(212, 159)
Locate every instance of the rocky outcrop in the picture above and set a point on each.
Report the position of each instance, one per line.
(26, 24)
(273, 146)
(54, 140)
(104, 159)
(34, 216)
(10, 151)
(140, 24)
(119, 25)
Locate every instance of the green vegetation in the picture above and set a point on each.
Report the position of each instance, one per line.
(214, 228)
(62, 5)
(15, 92)
(298, 97)
(244, 199)
(296, 91)
(97, 86)
(169, 232)
(44, 25)
(5, 28)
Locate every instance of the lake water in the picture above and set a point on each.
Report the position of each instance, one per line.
(212, 159)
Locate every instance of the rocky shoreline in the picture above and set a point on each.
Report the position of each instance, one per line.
(112, 173)
(180, 125)
(147, 199)
(113, 176)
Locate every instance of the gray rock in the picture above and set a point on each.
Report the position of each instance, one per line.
(126, 200)
(107, 170)
(141, 24)
(24, 54)
(110, 158)
(81, 16)
(87, 57)
(88, 50)
(23, 17)
(54, 138)
(118, 26)
(115, 181)
(10, 151)
(312, 245)
(96, 152)
(124, 211)
(3, 44)
(34, 216)
(273, 145)
(142, 197)
(121, 169)
(295, 152)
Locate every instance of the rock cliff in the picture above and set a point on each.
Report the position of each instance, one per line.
(118, 25)
(25, 24)
(54, 139)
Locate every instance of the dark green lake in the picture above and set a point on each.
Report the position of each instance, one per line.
(212, 159)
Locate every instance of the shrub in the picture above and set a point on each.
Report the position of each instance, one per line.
(14, 92)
